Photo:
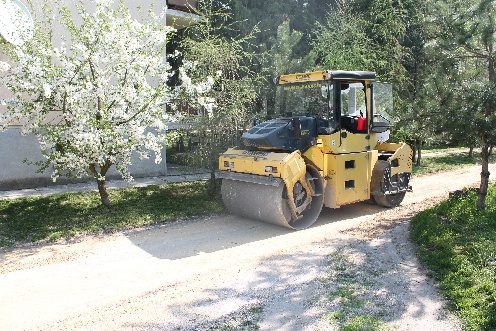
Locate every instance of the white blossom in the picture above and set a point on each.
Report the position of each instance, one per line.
(108, 84)
(4, 66)
(47, 90)
(197, 93)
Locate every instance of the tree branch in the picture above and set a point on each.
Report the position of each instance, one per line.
(143, 109)
(99, 101)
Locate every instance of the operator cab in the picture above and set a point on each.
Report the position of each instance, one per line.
(340, 100)
(323, 103)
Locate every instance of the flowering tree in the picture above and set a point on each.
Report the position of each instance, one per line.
(95, 98)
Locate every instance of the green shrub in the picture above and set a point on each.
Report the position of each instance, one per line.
(458, 243)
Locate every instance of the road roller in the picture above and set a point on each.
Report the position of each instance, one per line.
(328, 148)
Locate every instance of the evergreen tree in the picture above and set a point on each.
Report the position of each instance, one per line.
(466, 40)
(286, 30)
(342, 42)
(224, 108)
(387, 37)
(416, 103)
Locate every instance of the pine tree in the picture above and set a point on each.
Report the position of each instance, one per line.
(467, 40)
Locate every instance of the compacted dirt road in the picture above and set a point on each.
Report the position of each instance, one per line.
(354, 265)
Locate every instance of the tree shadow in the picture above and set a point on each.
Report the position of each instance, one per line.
(65, 216)
(347, 280)
(194, 275)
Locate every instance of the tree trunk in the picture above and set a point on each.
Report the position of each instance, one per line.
(471, 152)
(180, 145)
(265, 106)
(485, 151)
(213, 184)
(414, 148)
(102, 189)
(213, 165)
(481, 201)
(419, 153)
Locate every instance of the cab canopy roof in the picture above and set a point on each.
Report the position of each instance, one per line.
(325, 75)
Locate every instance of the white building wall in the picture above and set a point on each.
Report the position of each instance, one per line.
(14, 148)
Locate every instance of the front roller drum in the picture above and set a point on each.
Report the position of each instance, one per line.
(270, 203)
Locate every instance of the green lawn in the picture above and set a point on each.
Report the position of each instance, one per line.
(458, 243)
(433, 164)
(72, 214)
(434, 149)
(67, 215)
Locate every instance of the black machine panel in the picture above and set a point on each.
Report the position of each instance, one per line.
(287, 133)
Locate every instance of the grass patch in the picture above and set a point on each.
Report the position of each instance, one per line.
(364, 323)
(67, 215)
(458, 243)
(438, 163)
(247, 319)
(352, 305)
(434, 149)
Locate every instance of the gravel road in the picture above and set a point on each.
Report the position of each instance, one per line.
(355, 265)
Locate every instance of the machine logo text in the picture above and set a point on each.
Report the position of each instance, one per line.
(255, 153)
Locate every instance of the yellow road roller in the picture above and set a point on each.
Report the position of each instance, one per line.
(328, 148)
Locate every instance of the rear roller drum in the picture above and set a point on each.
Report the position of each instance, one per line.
(390, 200)
(382, 179)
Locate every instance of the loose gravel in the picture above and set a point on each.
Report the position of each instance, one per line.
(355, 266)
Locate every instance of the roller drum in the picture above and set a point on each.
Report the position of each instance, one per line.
(269, 203)
(256, 201)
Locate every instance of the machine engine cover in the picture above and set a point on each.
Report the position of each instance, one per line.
(280, 134)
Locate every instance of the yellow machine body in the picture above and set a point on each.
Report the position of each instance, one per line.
(273, 183)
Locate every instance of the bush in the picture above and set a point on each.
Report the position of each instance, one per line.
(458, 243)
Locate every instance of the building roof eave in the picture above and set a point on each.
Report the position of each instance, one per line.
(179, 19)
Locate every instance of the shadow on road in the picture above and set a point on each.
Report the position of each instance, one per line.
(206, 235)
(379, 279)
